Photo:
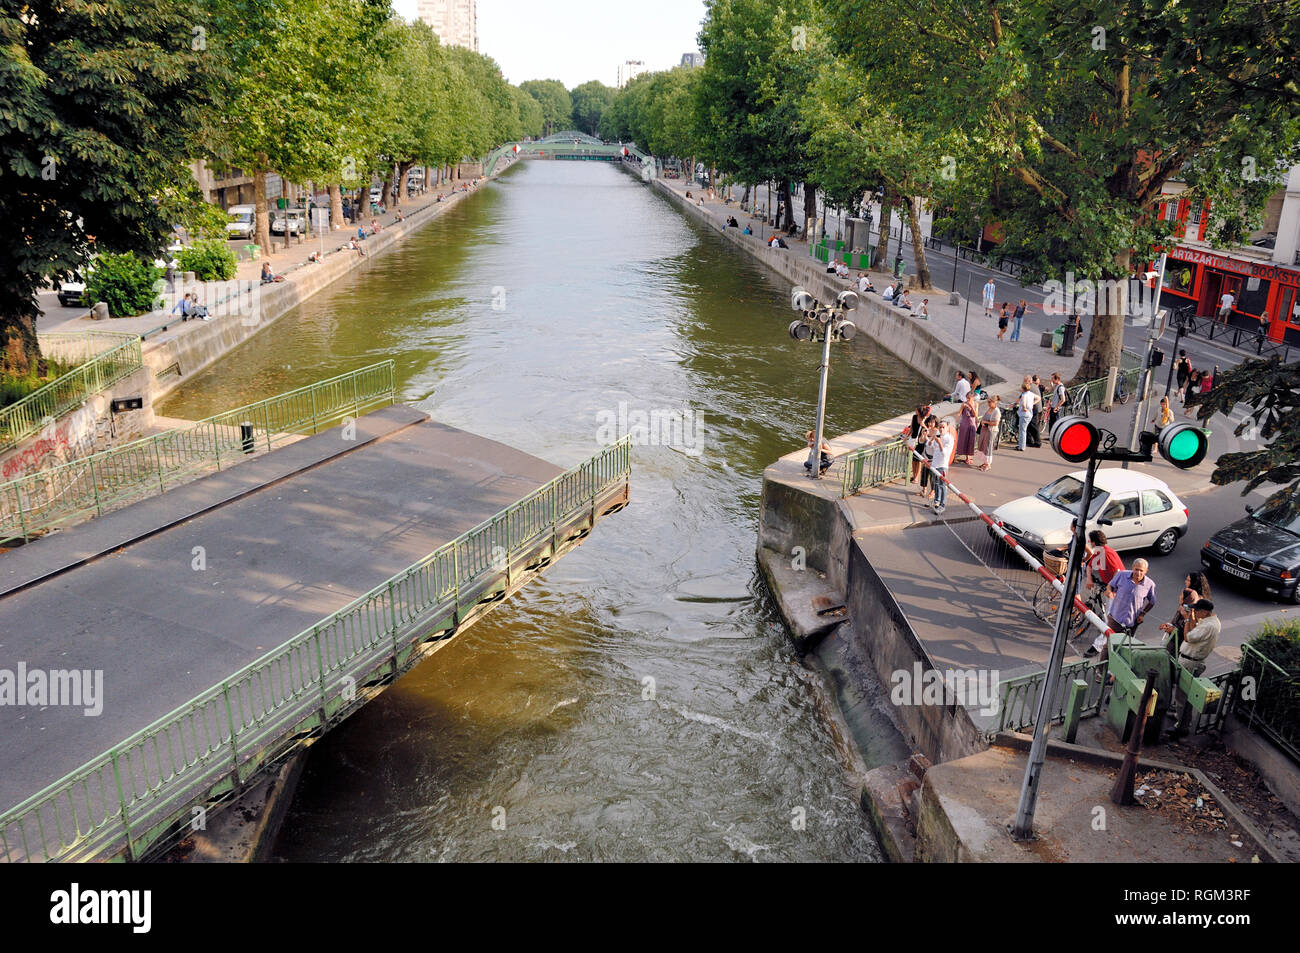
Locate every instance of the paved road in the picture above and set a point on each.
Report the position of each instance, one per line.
(275, 561)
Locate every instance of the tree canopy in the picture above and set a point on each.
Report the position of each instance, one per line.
(557, 105)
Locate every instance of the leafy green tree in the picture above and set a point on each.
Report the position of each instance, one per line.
(1066, 117)
(590, 100)
(557, 106)
(529, 111)
(1272, 389)
(126, 283)
(210, 259)
(95, 100)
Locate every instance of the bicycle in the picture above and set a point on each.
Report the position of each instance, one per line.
(1078, 405)
(1047, 600)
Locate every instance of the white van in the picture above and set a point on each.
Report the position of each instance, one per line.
(243, 221)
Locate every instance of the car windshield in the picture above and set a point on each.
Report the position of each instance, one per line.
(243, 216)
(1284, 514)
(1066, 492)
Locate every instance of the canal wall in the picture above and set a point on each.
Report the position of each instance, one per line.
(898, 332)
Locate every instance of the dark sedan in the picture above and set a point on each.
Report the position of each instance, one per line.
(1262, 551)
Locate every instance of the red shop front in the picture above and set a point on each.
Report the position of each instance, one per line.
(1203, 277)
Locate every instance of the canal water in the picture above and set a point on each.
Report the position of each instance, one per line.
(641, 701)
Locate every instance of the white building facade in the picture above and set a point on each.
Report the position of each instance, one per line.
(455, 21)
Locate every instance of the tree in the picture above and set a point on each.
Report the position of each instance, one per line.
(95, 99)
(1272, 389)
(557, 106)
(1070, 115)
(590, 100)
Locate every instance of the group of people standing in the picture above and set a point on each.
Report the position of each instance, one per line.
(1192, 380)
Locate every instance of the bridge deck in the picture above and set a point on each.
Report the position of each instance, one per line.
(287, 539)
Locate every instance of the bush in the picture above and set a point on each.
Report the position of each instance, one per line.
(210, 260)
(125, 283)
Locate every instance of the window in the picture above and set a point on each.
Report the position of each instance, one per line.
(1153, 501)
(1125, 509)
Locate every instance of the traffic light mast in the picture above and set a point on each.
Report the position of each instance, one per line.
(1076, 440)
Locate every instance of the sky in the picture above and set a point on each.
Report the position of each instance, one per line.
(577, 40)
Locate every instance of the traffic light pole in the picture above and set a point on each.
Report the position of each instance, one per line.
(1024, 825)
(1153, 334)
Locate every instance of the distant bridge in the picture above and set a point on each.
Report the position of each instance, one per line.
(569, 145)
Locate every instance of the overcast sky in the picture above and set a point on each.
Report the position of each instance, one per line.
(577, 40)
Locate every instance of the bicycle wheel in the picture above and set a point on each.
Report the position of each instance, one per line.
(1046, 601)
(1080, 403)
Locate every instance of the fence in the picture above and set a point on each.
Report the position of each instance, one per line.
(139, 794)
(1246, 338)
(1273, 708)
(93, 484)
(871, 466)
(102, 357)
(1080, 399)
(1020, 697)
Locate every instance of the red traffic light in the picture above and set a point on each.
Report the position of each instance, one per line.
(1074, 438)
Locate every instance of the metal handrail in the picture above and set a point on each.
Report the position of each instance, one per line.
(1019, 697)
(1266, 702)
(97, 369)
(87, 487)
(136, 794)
(871, 466)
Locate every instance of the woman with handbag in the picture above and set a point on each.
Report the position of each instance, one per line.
(910, 434)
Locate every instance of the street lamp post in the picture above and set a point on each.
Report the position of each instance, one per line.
(1153, 333)
(829, 322)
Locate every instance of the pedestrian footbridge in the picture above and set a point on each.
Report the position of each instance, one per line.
(570, 145)
(231, 620)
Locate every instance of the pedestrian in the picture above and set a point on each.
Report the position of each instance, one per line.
(969, 419)
(1264, 324)
(1164, 416)
(1225, 306)
(942, 446)
(826, 459)
(1207, 380)
(1181, 371)
(1196, 586)
(959, 389)
(928, 430)
(1018, 319)
(990, 290)
(1193, 385)
(1024, 414)
(912, 435)
(1033, 438)
(1004, 319)
(1133, 595)
(923, 313)
(1194, 653)
(1057, 401)
(987, 437)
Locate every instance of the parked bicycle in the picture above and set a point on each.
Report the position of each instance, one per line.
(1047, 598)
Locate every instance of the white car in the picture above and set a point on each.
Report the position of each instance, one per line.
(243, 221)
(296, 221)
(1134, 510)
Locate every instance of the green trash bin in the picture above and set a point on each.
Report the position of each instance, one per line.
(254, 251)
(1058, 338)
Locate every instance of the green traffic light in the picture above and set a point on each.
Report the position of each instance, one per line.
(1184, 445)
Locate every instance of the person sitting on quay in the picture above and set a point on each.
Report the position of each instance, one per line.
(356, 247)
(375, 226)
(923, 313)
(184, 307)
(826, 458)
(904, 300)
(864, 283)
(268, 275)
(361, 234)
(841, 270)
(732, 223)
(888, 294)
(315, 258)
(748, 230)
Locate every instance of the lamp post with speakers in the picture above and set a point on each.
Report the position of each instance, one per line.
(1076, 440)
(824, 324)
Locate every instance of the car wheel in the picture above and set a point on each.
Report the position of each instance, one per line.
(1165, 543)
(1295, 596)
(63, 301)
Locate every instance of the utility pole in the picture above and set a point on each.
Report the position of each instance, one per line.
(1154, 330)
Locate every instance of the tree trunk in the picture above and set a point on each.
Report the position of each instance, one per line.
(263, 231)
(336, 207)
(783, 193)
(1106, 336)
(918, 243)
(810, 212)
(403, 168)
(18, 330)
(882, 243)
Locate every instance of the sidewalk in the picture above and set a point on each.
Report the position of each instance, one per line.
(283, 262)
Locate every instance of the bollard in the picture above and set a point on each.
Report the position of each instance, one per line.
(246, 436)
(1122, 792)
(99, 312)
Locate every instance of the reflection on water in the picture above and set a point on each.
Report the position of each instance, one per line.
(641, 701)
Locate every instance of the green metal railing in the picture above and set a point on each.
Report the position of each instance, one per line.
(1272, 704)
(1019, 697)
(102, 357)
(872, 466)
(87, 487)
(1094, 390)
(139, 794)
